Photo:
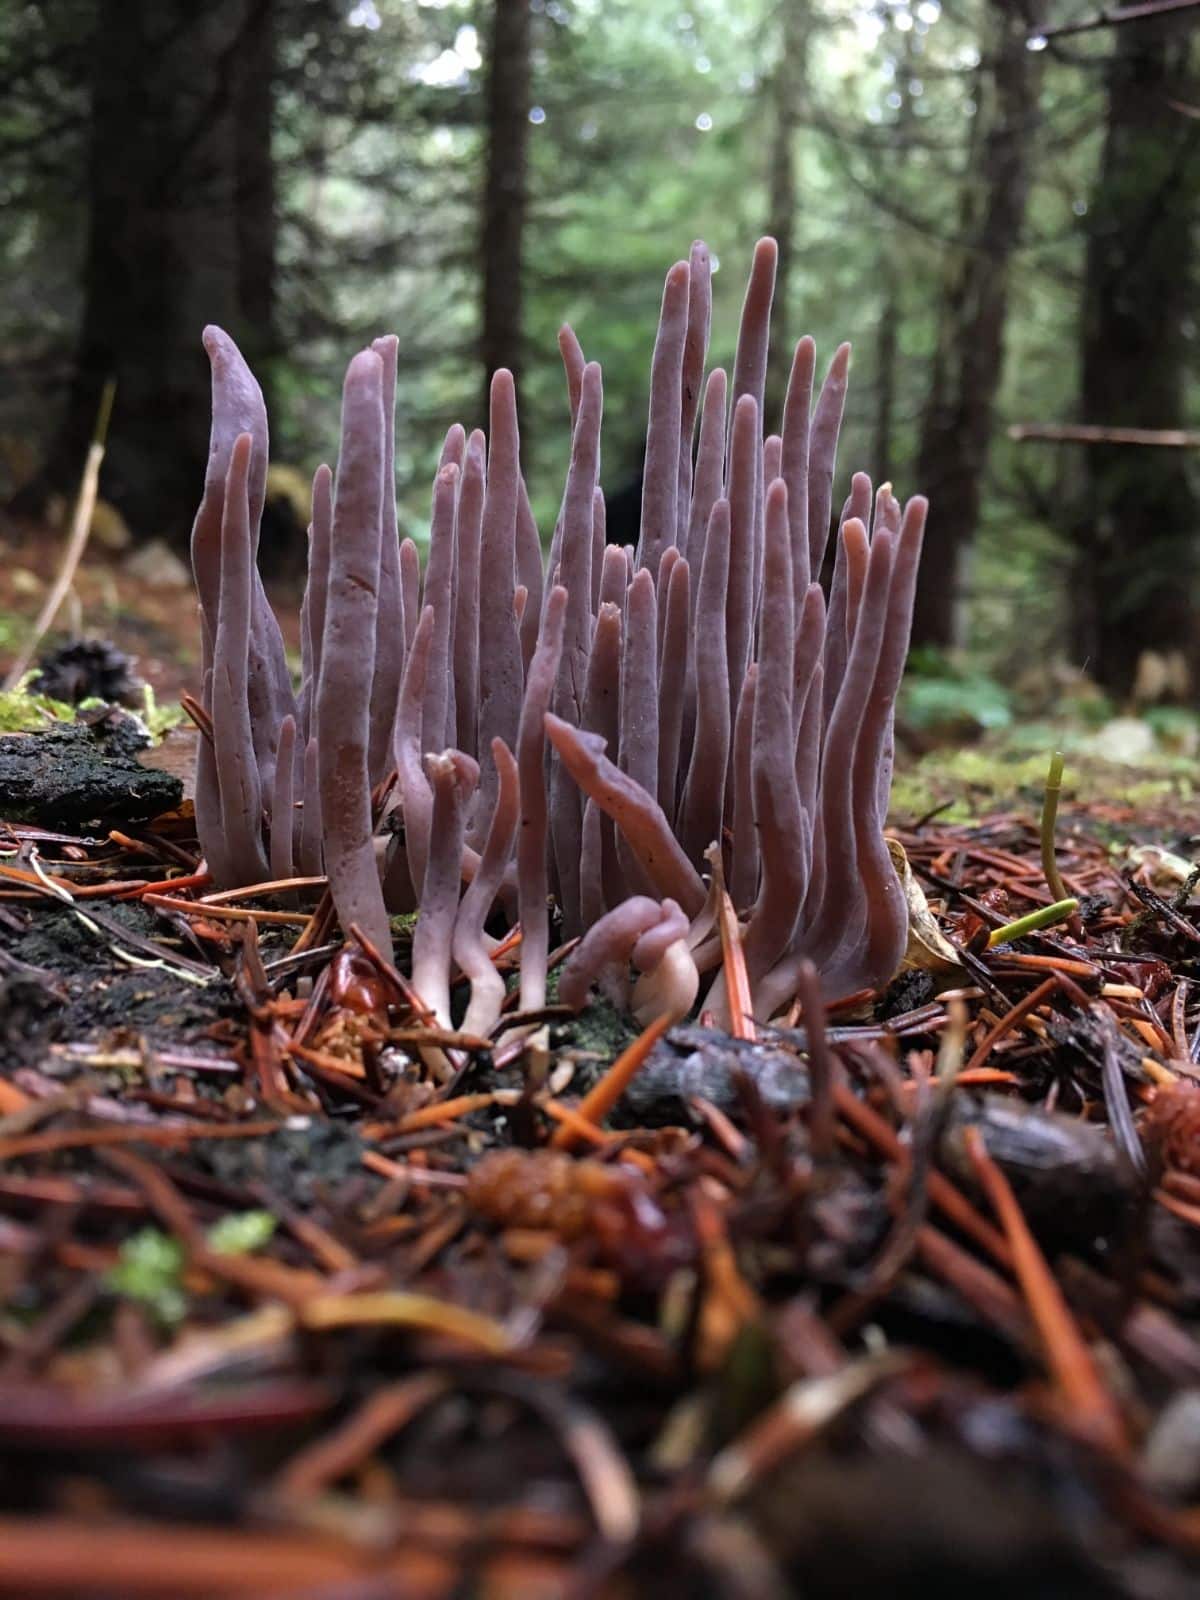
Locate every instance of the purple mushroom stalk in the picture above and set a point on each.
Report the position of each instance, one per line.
(569, 745)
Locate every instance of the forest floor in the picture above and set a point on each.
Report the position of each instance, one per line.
(284, 1311)
(145, 605)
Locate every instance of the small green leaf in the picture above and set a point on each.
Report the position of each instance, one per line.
(150, 1270)
(241, 1233)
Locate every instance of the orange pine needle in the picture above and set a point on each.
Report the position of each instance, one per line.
(12, 1099)
(1009, 1021)
(190, 880)
(568, 1117)
(950, 1201)
(603, 1096)
(194, 908)
(1068, 1354)
(445, 1111)
(323, 1059)
(1032, 963)
(253, 891)
(737, 980)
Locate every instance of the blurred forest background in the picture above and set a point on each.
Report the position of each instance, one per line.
(995, 200)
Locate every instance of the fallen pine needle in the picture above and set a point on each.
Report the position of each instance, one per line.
(1032, 963)
(950, 1201)
(603, 1096)
(737, 980)
(254, 890)
(130, 1133)
(205, 908)
(567, 1117)
(323, 1059)
(400, 1171)
(1067, 1352)
(12, 1099)
(1009, 1021)
(398, 1309)
(452, 1110)
(186, 880)
(1161, 1075)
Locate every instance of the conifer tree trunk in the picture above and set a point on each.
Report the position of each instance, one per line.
(788, 93)
(180, 234)
(505, 195)
(255, 191)
(1136, 530)
(886, 358)
(957, 420)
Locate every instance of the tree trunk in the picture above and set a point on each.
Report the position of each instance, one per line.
(891, 304)
(788, 93)
(957, 421)
(886, 357)
(505, 194)
(1136, 529)
(254, 193)
(180, 234)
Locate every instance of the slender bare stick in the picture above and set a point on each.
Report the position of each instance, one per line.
(81, 526)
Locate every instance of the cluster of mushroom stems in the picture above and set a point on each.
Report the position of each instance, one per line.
(603, 742)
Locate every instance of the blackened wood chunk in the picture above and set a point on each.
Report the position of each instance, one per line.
(78, 776)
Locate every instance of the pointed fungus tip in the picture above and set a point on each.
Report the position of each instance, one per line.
(221, 350)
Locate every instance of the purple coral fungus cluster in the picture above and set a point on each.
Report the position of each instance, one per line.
(597, 740)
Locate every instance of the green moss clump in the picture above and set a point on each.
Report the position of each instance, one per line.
(23, 712)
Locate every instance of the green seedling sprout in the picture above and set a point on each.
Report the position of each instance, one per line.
(1049, 814)
(1043, 917)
